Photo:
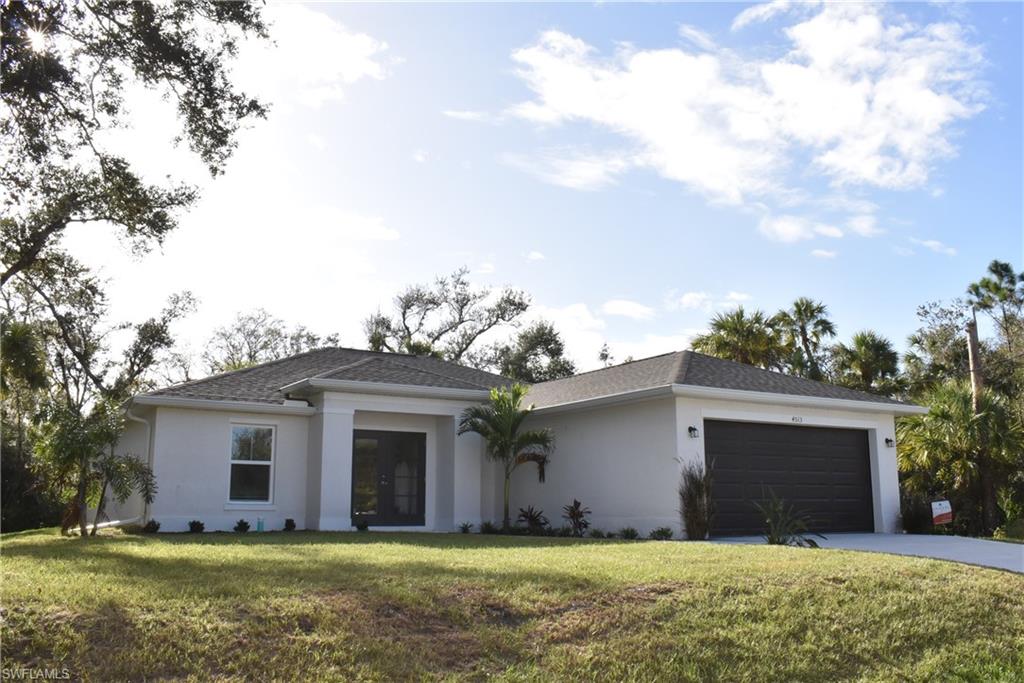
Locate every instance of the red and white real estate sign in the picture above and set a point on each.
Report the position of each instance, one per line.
(942, 512)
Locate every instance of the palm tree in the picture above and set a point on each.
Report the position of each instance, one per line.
(868, 363)
(752, 339)
(952, 451)
(499, 422)
(806, 325)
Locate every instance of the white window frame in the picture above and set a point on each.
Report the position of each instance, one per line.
(232, 462)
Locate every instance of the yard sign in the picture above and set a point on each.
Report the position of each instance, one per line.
(942, 512)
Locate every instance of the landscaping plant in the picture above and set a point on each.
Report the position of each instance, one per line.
(151, 527)
(465, 527)
(196, 527)
(499, 422)
(783, 524)
(628, 533)
(576, 515)
(695, 500)
(289, 524)
(241, 527)
(535, 521)
(662, 533)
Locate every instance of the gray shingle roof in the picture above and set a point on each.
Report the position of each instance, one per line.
(688, 368)
(262, 383)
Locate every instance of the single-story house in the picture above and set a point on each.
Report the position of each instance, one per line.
(336, 437)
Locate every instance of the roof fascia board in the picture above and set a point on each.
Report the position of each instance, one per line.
(387, 389)
(691, 391)
(212, 404)
(606, 400)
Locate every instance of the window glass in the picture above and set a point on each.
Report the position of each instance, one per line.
(252, 450)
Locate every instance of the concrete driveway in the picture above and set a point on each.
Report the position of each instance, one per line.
(1009, 556)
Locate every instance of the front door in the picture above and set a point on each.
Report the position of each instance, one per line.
(388, 477)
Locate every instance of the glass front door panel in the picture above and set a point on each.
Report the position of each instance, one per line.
(364, 476)
(388, 479)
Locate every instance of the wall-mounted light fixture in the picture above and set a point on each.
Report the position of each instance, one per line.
(889, 442)
(693, 432)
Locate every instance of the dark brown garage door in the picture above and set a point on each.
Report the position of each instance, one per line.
(824, 473)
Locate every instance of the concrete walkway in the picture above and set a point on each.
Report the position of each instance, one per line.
(1009, 556)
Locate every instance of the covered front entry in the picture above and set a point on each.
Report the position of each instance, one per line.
(388, 478)
(824, 473)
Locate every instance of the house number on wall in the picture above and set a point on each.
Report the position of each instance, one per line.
(797, 418)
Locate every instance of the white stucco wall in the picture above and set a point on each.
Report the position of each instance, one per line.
(312, 470)
(623, 461)
(619, 461)
(191, 461)
(134, 442)
(879, 426)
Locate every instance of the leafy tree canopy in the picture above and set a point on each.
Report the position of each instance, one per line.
(446, 319)
(537, 354)
(258, 337)
(65, 68)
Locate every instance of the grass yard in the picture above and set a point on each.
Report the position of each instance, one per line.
(401, 606)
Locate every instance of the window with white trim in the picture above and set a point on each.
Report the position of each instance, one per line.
(252, 463)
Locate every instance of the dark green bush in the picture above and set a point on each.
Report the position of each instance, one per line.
(465, 527)
(662, 533)
(151, 527)
(489, 528)
(784, 525)
(289, 524)
(241, 527)
(916, 513)
(196, 527)
(629, 533)
(597, 533)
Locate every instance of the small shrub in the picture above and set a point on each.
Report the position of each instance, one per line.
(576, 515)
(564, 532)
(151, 527)
(597, 533)
(916, 513)
(466, 527)
(489, 528)
(695, 500)
(196, 527)
(362, 526)
(784, 525)
(289, 524)
(241, 527)
(534, 520)
(629, 533)
(662, 533)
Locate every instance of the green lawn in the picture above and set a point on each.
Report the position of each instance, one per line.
(400, 606)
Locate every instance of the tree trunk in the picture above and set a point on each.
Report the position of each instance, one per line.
(989, 504)
(813, 371)
(99, 508)
(506, 523)
(80, 497)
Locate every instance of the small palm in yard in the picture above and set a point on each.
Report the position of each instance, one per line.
(784, 525)
(500, 423)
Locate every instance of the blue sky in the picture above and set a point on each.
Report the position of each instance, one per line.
(635, 168)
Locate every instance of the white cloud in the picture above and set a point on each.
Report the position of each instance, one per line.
(311, 60)
(690, 300)
(737, 296)
(466, 114)
(696, 36)
(861, 96)
(789, 228)
(903, 251)
(935, 245)
(864, 225)
(824, 253)
(535, 256)
(576, 170)
(627, 309)
(420, 156)
(765, 11)
(485, 268)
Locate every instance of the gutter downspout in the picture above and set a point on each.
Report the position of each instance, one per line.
(149, 452)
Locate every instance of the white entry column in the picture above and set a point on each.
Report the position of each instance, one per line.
(329, 482)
